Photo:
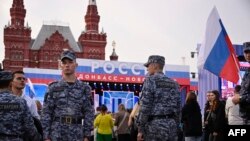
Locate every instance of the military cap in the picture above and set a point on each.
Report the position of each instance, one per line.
(5, 76)
(68, 54)
(246, 47)
(155, 59)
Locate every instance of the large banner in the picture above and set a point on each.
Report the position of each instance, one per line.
(101, 71)
(125, 72)
(110, 71)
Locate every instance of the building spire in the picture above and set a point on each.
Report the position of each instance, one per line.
(92, 2)
(91, 40)
(92, 18)
(113, 56)
(17, 13)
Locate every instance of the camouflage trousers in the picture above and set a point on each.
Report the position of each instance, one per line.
(66, 132)
(161, 130)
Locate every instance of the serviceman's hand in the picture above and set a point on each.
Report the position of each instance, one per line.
(206, 122)
(139, 137)
(236, 99)
(47, 140)
(85, 139)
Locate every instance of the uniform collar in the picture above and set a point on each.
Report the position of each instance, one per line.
(65, 83)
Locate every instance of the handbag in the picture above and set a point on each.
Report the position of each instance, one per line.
(207, 119)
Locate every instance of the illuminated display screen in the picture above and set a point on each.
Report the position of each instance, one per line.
(227, 87)
(113, 98)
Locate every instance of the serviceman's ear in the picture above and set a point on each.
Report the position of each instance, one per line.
(76, 64)
(10, 84)
(154, 65)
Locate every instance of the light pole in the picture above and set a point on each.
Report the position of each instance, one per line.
(192, 54)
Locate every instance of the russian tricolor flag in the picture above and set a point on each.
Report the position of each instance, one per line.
(32, 92)
(216, 53)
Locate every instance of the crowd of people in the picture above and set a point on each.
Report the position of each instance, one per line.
(68, 113)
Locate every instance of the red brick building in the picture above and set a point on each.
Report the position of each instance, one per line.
(44, 51)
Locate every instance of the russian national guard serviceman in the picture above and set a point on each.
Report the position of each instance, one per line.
(67, 103)
(159, 114)
(244, 98)
(15, 117)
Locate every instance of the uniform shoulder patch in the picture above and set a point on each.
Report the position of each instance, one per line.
(161, 84)
(10, 107)
(54, 86)
(164, 84)
(58, 89)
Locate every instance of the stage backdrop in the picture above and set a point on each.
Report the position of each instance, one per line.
(103, 71)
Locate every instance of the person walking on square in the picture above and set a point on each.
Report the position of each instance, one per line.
(233, 110)
(159, 113)
(104, 124)
(243, 99)
(17, 87)
(121, 121)
(217, 118)
(15, 117)
(68, 103)
(206, 128)
(191, 118)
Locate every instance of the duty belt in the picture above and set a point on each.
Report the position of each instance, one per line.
(69, 120)
(153, 117)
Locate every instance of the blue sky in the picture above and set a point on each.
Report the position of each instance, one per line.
(171, 28)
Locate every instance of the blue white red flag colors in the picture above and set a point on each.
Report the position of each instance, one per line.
(32, 92)
(216, 53)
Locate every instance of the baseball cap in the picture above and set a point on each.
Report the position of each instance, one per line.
(246, 47)
(155, 59)
(68, 54)
(5, 76)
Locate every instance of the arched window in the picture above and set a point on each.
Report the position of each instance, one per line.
(20, 55)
